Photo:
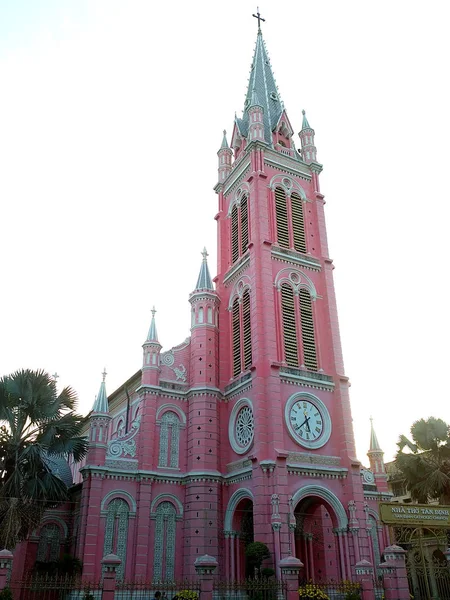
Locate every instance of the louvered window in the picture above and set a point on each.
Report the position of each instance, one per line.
(289, 327)
(234, 234)
(236, 339)
(308, 337)
(282, 218)
(298, 224)
(244, 224)
(247, 330)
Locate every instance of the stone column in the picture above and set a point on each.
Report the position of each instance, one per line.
(311, 557)
(6, 559)
(290, 570)
(110, 564)
(276, 544)
(395, 574)
(232, 558)
(205, 566)
(364, 575)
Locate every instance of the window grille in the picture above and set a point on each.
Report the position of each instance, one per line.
(298, 223)
(170, 428)
(165, 542)
(308, 337)
(234, 234)
(116, 532)
(289, 327)
(282, 218)
(236, 339)
(247, 330)
(244, 224)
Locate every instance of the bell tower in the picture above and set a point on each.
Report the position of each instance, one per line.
(281, 365)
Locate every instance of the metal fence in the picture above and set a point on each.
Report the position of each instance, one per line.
(333, 590)
(146, 590)
(250, 589)
(55, 588)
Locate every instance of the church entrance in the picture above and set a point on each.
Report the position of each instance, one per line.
(239, 535)
(318, 543)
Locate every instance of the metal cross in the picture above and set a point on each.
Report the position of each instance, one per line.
(205, 253)
(259, 17)
(153, 312)
(55, 376)
(104, 374)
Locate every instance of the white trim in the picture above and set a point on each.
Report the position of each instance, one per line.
(173, 408)
(327, 496)
(232, 426)
(167, 498)
(48, 520)
(288, 184)
(326, 419)
(240, 494)
(243, 190)
(297, 279)
(122, 495)
(239, 289)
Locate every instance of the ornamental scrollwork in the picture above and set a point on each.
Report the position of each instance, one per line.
(126, 445)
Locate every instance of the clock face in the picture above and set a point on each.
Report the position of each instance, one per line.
(308, 420)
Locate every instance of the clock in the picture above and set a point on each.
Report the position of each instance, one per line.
(308, 420)
(368, 476)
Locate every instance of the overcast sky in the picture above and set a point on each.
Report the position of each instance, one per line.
(111, 114)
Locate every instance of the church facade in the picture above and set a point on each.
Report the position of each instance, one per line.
(243, 432)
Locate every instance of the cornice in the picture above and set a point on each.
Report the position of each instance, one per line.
(238, 386)
(309, 262)
(236, 174)
(287, 164)
(317, 471)
(310, 379)
(237, 269)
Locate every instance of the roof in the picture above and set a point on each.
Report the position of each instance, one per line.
(152, 333)
(204, 281)
(374, 444)
(101, 401)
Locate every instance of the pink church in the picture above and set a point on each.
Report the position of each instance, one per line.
(243, 432)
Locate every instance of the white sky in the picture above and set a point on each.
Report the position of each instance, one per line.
(111, 114)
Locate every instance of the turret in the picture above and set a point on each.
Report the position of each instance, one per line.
(151, 351)
(99, 421)
(225, 155)
(375, 455)
(309, 151)
(256, 119)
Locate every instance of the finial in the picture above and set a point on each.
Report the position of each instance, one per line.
(153, 311)
(104, 374)
(258, 16)
(55, 376)
(224, 132)
(205, 254)
(303, 112)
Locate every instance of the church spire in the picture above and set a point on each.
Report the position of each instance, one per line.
(376, 454)
(204, 281)
(101, 401)
(152, 333)
(374, 444)
(309, 151)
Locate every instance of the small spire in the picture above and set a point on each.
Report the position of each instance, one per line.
(255, 100)
(101, 401)
(374, 444)
(152, 333)
(224, 141)
(305, 124)
(204, 281)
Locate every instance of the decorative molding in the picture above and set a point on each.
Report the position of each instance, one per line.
(311, 379)
(121, 494)
(238, 385)
(294, 257)
(240, 494)
(239, 289)
(327, 496)
(238, 465)
(304, 458)
(237, 269)
(125, 445)
(317, 471)
(297, 280)
(241, 425)
(166, 497)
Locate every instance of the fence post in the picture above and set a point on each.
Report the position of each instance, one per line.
(205, 566)
(395, 574)
(6, 559)
(110, 563)
(290, 571)
(364, 576)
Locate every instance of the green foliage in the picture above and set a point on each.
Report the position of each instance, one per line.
(267, 572)
(6, 594)
(256, 552)
(426, 463)
(67, 565)
(188, 595)
(36, 425)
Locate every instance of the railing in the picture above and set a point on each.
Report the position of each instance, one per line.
(146, 590)
(251, 589)
(331, 590)
(55, 588)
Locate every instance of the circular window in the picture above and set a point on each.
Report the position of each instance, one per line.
(241, 427)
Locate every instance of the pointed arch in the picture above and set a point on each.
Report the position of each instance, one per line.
(328, 498)
(240, 494)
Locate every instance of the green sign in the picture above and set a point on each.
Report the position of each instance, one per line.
(392, 513)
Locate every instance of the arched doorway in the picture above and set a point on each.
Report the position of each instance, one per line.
(238, 533)
(321, 535)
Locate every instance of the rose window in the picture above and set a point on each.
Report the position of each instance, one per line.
(245, 426)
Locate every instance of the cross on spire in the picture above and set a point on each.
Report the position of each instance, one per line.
(55, 376)
(259, 17)
(153, 312)
(205, 253)
(104, 374)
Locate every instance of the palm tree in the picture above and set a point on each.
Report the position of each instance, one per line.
(37, 426)
(426, 466)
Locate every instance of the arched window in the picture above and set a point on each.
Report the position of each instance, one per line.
(49, 543)
(116, 532)
(165, 536)
(298, 324)
(239, 229)
(169, 440)
(210, 315)
(200, 315)
(290, 221)
(241, 334)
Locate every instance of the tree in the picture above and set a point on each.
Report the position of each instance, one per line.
(426, 465)
(255, 553)
(37, 425)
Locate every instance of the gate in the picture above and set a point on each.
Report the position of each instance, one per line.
(427, 567)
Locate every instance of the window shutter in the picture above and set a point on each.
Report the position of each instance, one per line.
(282, 220)
(236, 339)
(247, 331)
(234, 235)
(298, 223)
(244, 224)
(308, 337)
(289, 328)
